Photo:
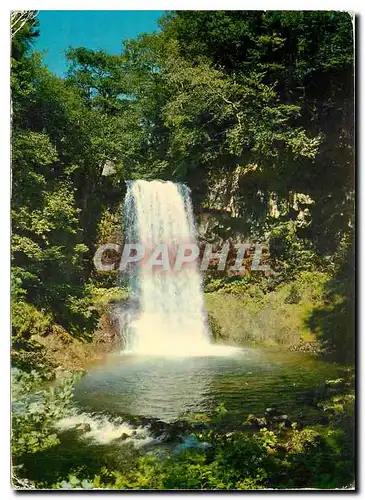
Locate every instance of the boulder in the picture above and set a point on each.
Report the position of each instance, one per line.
(81, 428)
(254, 421)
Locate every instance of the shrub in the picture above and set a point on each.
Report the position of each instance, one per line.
(28, 323)
(35, 411)
(293, 296)
(311, 457)
(260, 315)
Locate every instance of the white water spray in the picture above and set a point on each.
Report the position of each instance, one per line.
(172, 317)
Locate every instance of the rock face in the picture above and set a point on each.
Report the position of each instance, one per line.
(108, 168)
(123, 314)
(108, 332)
(218, 227)
(220, 218)
(225, 212)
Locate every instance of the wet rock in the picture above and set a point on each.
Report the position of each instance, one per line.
(158, 427)
(257, 422)
(282, 419)
(261, 422)
(272, 412)
(168, 431)
(276, 417)
(165, 431)
(177, 430)
(81, 428)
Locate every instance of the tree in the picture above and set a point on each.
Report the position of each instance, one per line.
(306, 57)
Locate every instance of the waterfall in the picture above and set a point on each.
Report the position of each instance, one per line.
(171, 316)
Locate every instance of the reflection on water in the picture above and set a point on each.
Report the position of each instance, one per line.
(247, 381)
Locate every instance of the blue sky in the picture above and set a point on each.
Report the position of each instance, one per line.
(92, 29)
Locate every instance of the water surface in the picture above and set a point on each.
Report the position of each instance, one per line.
(111, 397)
(246, 381)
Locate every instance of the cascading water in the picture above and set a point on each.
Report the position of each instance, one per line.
(171, 315)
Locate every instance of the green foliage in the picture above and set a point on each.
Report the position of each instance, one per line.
(27, 324)
(253, 312)
(258, 101)
(291, 254)
(56, 172)
(280, 457)
(214, 328)
(103, 297)
(109, 228)
(250, 100)
(293, 296)
(333, 320)
(302, 66)
(35, 411)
